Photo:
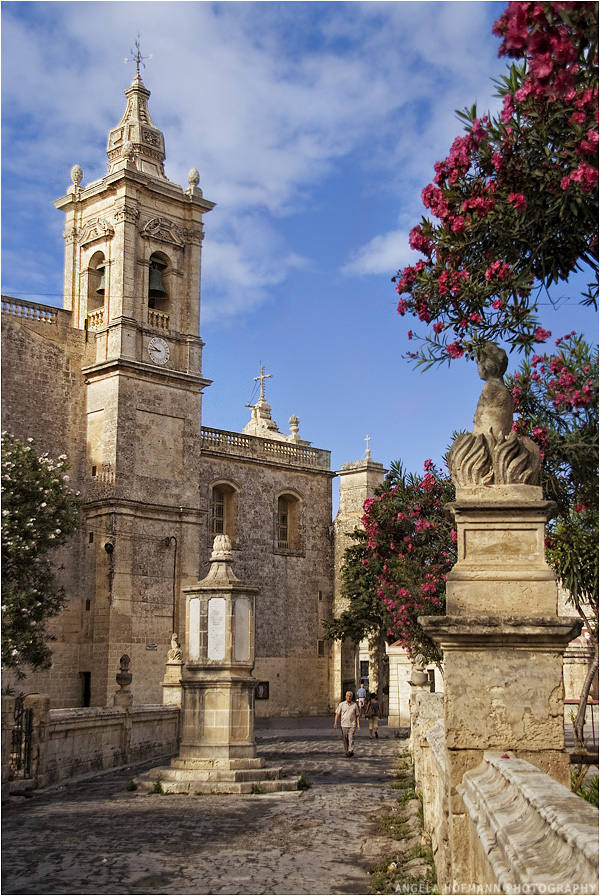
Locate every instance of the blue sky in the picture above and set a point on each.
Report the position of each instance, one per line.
(314, 127)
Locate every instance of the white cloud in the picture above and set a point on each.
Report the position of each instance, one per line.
(268, 100)
(384, 253)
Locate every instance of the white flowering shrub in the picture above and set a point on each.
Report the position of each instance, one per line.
(39, 513)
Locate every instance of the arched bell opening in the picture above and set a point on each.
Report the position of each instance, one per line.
(97, 274)
(158, 292)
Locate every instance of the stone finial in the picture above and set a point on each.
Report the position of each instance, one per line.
(123, 696)
(222, 549)
(221, 561)
(193, 181)
(493, 454)
(294, 422)
(76, 175)
(124, 676)
(419, 676)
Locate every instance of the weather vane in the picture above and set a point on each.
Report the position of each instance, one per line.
(137, 56)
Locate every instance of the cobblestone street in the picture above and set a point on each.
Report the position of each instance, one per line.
(97, 837)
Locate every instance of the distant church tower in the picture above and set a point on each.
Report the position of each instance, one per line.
(358, 481)
(132, 283)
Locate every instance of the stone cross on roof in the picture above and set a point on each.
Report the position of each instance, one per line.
(368, 451)
(263, 376)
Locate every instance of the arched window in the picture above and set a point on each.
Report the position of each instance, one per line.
(97, 276)
(287, 522)
(224, 510)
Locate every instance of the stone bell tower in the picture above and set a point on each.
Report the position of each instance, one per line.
(132, 283)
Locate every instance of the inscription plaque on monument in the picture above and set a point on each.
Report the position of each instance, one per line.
(242, 629)
(216, 628)
(194, 633)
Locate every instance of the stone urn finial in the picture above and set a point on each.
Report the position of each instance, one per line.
(124, 676)
(222, 549)
(221, 561)
(193, 181)
(76, 175)
(294, 427)
(419, 676)
(123, 696)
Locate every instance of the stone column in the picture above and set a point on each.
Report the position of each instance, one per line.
(502, 637)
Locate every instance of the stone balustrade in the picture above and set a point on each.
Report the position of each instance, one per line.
(159, 319)
(239, 445)
(95, 318)
(29, 310)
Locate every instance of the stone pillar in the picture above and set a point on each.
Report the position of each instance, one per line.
(171, 686)
(502, 637)
(39, 704)
(8, 723)
(503, 643)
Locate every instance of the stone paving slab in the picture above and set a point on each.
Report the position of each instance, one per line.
(97, 838)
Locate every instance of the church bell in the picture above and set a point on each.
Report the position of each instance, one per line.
(156, 289)
(100, 289)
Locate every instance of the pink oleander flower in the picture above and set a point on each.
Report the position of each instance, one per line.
(455, 350)
(518, 200)
(540, 335)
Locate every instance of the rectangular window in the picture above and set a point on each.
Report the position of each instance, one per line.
(282, 527)
(320, 648)
(218, 515)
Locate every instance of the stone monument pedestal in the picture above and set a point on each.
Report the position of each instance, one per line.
(503, 643)
(218, 750)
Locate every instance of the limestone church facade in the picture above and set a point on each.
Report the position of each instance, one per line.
(114, 380)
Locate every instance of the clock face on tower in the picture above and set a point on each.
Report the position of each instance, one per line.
(158, 350)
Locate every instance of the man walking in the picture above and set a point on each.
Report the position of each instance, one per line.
(360, 697)
(349, 716)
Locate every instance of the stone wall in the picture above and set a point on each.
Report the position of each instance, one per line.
(296, 584)
(44, 399)
(73, 743)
